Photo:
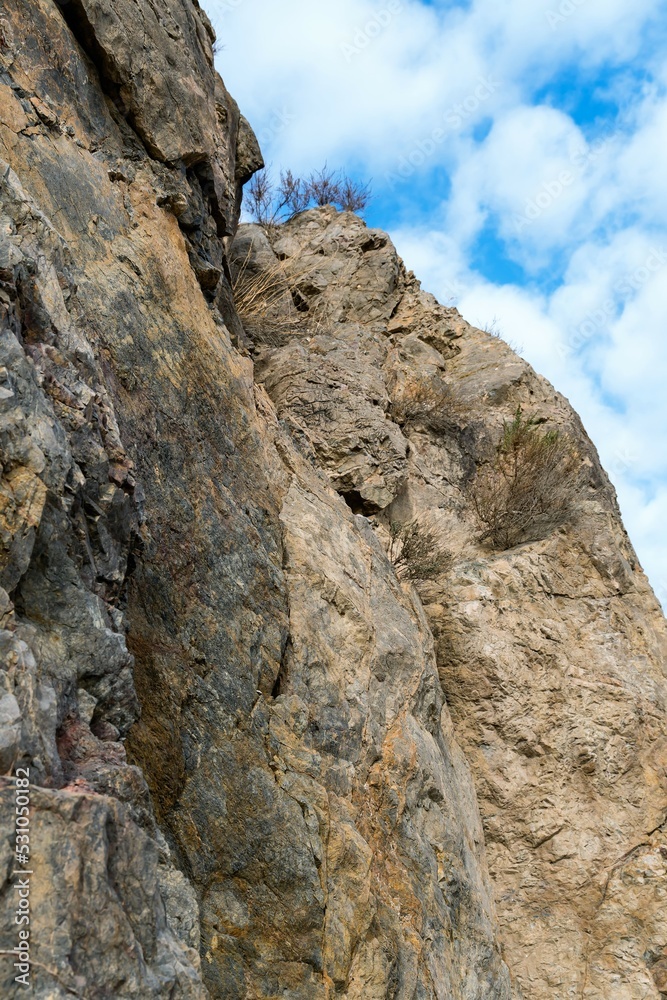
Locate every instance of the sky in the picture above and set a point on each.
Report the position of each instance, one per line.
(517, 154)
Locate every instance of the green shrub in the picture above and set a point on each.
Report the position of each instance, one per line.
(532, 486)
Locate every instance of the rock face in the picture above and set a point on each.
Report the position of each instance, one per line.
(551, 655)
(311, 826)
(257, 752)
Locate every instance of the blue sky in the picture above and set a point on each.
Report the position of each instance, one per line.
(518, 157)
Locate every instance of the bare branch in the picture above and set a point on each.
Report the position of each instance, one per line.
(260, 198)
(324, 187)
(269, 205)
(354, 195)
(293, 193)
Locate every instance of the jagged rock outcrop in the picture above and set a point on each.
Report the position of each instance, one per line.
(296, 819)
(244, 730)
(551, 655)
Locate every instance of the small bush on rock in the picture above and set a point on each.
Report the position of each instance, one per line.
(419, 399)
(429, 401)
(532, 486)
(416, 552)
(269, 204)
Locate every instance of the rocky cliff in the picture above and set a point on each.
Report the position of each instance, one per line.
(270, 755)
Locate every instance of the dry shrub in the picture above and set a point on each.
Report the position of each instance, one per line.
(293, 194)
(416, 552)
(532, 486)
(427, 401)
(269, 204)
(259, 198)
(327, 187)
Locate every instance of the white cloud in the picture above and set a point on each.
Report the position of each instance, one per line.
(369, 76)
(530, 173)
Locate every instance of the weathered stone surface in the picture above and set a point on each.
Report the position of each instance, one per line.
(98, 925)
(162, 534)
(552, 655)
(156, 61)
(351, 273)
(318, 385)
(378, 740)
(160, 57)
(68, 693)
(246, 779)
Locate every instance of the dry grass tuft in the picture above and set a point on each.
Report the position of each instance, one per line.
(265, 299)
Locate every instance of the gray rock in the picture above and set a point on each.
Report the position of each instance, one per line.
(10, 731)
(97, 919)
